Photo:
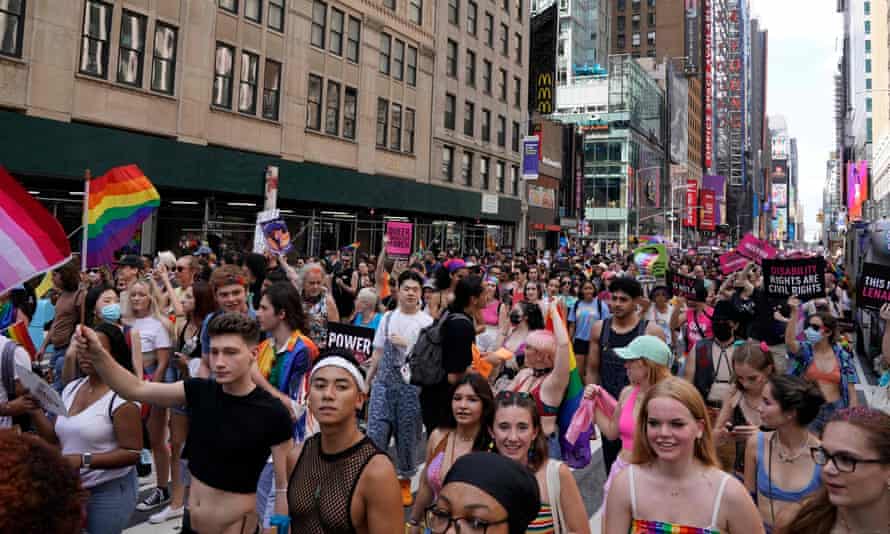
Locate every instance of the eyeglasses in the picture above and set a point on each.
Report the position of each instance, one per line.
(815, 326)
(439, 521)
(180, 268)
(843, 462)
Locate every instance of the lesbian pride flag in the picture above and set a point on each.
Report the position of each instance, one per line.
(31, 239)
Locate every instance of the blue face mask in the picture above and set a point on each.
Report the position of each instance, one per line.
(813, 336)
(111, 312)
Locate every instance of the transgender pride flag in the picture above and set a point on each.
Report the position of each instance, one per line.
(31, 239)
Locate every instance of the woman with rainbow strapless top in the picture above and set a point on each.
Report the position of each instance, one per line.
(674, 483)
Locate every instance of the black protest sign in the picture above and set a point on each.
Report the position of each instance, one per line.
(803, 278)
(357, 339)
(682, 285)
(874, 286)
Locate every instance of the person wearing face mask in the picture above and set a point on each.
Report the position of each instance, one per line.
(821, 359)
(523, 318)
(709, 364)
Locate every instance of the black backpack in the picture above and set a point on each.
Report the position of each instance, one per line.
(425, 360)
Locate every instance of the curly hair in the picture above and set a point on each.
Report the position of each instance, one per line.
(39, 490)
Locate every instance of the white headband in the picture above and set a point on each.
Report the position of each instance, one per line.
(342, 363)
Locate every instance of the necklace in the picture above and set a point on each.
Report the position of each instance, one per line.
(465, 440)
(787, 456)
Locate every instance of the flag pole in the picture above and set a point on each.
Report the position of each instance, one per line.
(86, 225)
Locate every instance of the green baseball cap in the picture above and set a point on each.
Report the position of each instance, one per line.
(649, 347)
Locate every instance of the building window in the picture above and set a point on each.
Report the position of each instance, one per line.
(502, 85)
(350, 112)
(518, 41)
(276, 15)
(466, 169)
(867, 66)
(332, 109)
(469, 118)
(398, 60)
(483, 173)
(223, 74)
(132, 49)
(250, 64)
(163, 64)
(472, 14)
(622, 23)
(505, 43)
(868, 105)
(409, 130)
(451, 59)
(650, 38)
(517, 92)
(415, 11)
(395, 139)
(313, 110)
(450, 103)
(12, 27)
(621, 42)
(486, 76)
(385, 46)
(868, 84)
(390, 4)
(868, 130)
(412, 66)
(488, 30)
(650, 17)
(253, 10)
(499, 174)
(486, 126)
(229, 5)
(635, 22)
(271, 89)
(502, 131)
(621, 5)
(453, 11)
(352, 39)
(651, 4)
(514, 178)
(336, 44)
(96, 33)
(382, 122)
(514, 139)
(635, 40)
(635, 4)
(650, 52)
(471, 68)
(448, 163)
(519, 10)
(319, 23)
(867, 7)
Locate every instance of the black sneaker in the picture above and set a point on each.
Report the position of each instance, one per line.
(155, 498)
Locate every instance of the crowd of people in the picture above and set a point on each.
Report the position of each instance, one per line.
(730, 412)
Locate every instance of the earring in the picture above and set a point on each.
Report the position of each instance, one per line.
(531, 455)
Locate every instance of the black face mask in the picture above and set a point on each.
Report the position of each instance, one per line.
(722, 331)
(515, 318)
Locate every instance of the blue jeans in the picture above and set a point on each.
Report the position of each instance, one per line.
(111, 504)
(57, 362)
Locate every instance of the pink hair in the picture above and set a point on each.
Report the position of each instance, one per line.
(542, 340)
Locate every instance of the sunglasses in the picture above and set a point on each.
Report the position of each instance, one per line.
(513, 396)
(180, 268)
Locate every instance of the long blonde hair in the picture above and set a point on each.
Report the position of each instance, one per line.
(154, 302)
(686, 394)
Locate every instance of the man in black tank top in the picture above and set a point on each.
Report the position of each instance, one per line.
(339, 481)
(604, 367)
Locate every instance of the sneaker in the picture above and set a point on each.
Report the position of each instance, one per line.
(155, 498)
(407, 498)
(166, 514)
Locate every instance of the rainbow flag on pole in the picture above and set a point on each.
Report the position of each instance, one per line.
(19, 333)
(31, 239)
(118, 203)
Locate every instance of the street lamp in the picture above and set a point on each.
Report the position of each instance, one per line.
(684, 187)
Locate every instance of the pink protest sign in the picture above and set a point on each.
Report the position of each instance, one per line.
(732, 262)
(756, 249)
(399, 239)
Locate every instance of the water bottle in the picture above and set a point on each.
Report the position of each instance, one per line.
(281, 523)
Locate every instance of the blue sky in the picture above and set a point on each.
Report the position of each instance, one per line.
(803, 53)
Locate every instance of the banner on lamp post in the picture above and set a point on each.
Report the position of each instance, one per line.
(531, 147)
(691, 219)
(708, 208)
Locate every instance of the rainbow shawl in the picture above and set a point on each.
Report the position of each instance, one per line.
(575, 455)
(290, 375)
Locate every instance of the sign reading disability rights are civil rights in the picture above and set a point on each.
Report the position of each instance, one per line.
(803, 278)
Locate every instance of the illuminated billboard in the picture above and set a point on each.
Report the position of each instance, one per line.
(857, 187)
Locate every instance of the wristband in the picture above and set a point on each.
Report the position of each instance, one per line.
(413, 523)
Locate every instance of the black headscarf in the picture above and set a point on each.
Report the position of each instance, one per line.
(508, 482)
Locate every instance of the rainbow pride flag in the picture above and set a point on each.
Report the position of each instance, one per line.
(31, 239)
(19, 333)
(576, 455)
(118, 203)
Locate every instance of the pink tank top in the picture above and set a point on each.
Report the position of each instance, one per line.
(490, 313)
(626, 422)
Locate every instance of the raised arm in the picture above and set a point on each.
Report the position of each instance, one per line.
(593, 354)
(885, 344)
(554, 385)
(125, 383)
(678, 314)
(791, 326)
(380, 269)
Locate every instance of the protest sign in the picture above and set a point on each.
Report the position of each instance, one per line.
(652, 260)
(682, 285)
(277, 237)
(399, 239)
(357, 339)
(874, 286)
(756, 249)
(259, 239)
(37, 387)
(732, 262)
(803, 278)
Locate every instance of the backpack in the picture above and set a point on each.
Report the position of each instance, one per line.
(425, 361)
(7, 373)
